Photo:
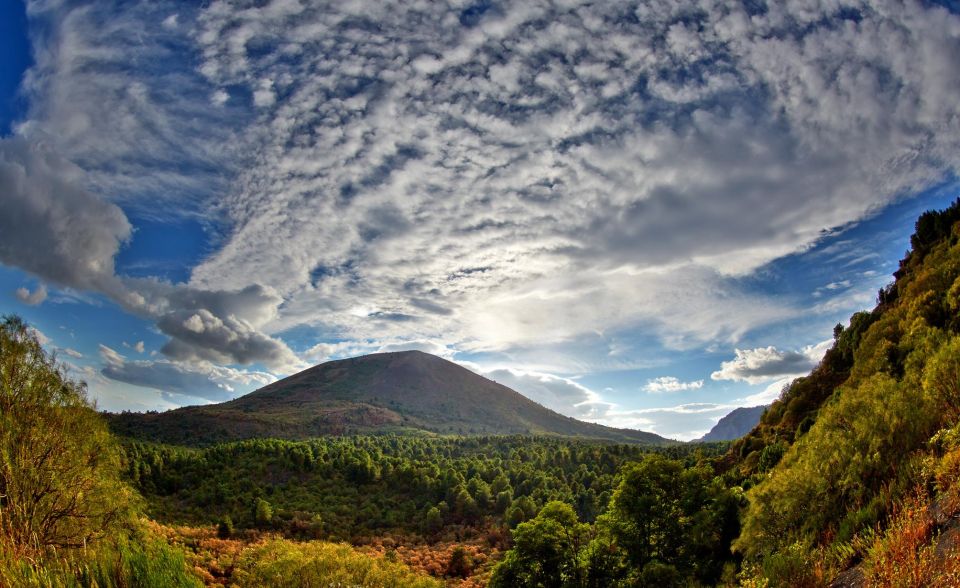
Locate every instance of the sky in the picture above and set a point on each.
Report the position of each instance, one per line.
(642, 214)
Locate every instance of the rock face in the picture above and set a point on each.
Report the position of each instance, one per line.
(736, 424)
(403, 392)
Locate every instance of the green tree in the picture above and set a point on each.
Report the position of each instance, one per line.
(547, 551)
(262, 512)
(225, 527)
(433, 520)
(460, 564)
(645, 510)
(59, 466)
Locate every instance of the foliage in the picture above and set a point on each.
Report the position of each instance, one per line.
(283, 563)
(59, 467)
(134, 558)
(547, 551)
(411, 485)
(667, 525)
(891, 380)
(905, 554)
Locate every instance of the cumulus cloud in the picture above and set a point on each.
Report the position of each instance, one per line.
(52, 227)
(138, 346)
(32, 298)
(671, 384)
(58, 231)
(763, 364)
(194, 379)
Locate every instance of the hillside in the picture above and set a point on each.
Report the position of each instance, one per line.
(857, 462)
(402, 392)
(735, 424)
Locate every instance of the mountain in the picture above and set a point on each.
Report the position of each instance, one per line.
(736, 424)
(403, 392)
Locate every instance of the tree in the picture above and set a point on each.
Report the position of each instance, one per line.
(460, 565)
(433, 520)
(547, 551)
(645, 511)
(59, 466)
(262, 512)
(225, 527)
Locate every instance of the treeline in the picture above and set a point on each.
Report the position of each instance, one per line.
(350, 487)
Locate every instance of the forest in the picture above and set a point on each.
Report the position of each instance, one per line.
(851, 477)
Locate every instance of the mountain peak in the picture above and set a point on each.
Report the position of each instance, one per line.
(406, 392)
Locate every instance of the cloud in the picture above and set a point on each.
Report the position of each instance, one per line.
(671, 384)
(556, 393)
(575, 183)
(41, 338)
(113, 90)
(72, 353)
(194, 379)
(50, 226)
(32, 298)
(763, 364)
(684, 422)
(543, 172)
(767, 395)
(65, 235)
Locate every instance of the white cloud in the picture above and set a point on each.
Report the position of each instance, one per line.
(41, 338)
(763, 364)
(548, 174)
(767, 395)
(32, 298)
(219, 98)
(52, 227)
(671, 384)
(192, 379)
(264, 95)
(683, 422)
(563, 395)
(72, 353)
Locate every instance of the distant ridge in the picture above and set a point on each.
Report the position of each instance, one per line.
(735, 424)
(407, 392)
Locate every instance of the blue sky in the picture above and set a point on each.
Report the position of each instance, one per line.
(642, 213)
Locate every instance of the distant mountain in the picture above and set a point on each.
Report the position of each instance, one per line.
(405, 392)
(736, 424)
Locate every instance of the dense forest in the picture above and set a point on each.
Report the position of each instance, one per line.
(850, 477)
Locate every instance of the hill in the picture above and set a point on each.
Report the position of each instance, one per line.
(858, 461)
(402, 392)
(735, 424)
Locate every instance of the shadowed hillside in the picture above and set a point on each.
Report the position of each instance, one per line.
(405, 392)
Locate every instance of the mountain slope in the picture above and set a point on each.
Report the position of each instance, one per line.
(859, 459)
(402, 392)
(735, 424)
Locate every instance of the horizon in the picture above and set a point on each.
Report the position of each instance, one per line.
(640, 215)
